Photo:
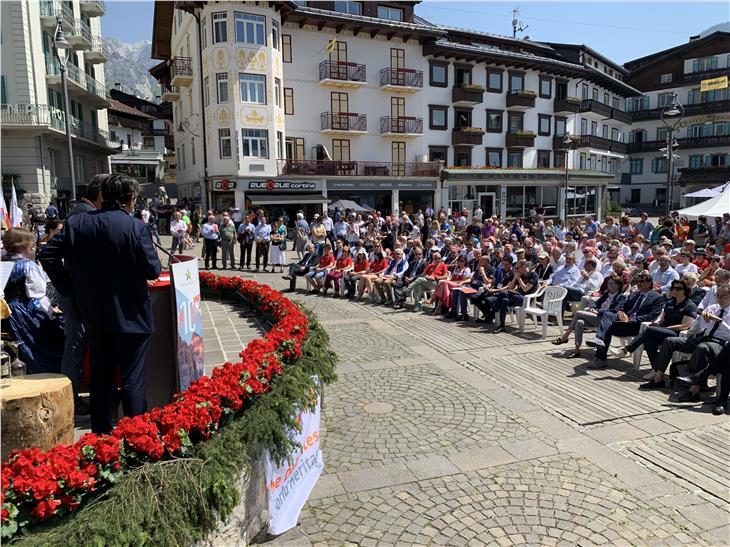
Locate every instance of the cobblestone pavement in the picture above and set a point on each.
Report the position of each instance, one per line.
(440, 433)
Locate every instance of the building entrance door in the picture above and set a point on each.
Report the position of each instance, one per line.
(486, 202)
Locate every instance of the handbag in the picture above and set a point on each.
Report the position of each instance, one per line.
(282, 245)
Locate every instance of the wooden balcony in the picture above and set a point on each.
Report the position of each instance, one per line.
(342, 74)
(467, 136)
(405, 80)
(600, 143)
(694, 109)
(521, 139)
(467, 95)
(520, 99)
(357, 168)
(688, 142)
(604, 111)
(347, 123)
(181, 71)
(560, 144)
(569, 105)
(401, 126)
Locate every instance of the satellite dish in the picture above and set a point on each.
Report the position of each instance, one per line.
(525, 37)
(515, 22)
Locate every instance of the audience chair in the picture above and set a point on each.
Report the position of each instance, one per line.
(552, 305)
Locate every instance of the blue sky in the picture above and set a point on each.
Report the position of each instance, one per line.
(620, 30)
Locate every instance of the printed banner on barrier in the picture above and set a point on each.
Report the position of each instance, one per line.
(289, 486)
(189, 320)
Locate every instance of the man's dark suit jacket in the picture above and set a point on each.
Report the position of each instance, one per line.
(650, 308)
(80, 207)
(103, 259)
(309, 260)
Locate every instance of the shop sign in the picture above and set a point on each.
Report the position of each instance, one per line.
(713, 83)
(380, 185)
(272, 185)
(224, 185)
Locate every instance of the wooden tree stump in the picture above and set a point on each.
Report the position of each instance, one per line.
(37, 410)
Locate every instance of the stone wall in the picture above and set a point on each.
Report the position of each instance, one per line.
(249, 517)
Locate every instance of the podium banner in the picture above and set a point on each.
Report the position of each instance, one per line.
(289, 485)
(189, 320)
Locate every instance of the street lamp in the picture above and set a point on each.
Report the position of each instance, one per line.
(671, 115)
(60, 44)
(568, 142)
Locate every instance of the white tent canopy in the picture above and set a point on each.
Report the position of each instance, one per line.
(714, 207)
(707, 192)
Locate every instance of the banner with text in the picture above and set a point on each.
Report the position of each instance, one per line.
(290, 484)
(189, 319)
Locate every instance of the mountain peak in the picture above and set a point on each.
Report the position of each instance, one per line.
(128, 65)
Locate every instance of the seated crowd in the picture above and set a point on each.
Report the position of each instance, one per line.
(654, 287)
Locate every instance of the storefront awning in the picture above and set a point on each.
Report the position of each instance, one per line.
(135, 162)
(286, 199)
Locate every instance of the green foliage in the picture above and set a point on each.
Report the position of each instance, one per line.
(614, 207)
(179, 501)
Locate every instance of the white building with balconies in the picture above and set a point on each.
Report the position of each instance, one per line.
(32, 121)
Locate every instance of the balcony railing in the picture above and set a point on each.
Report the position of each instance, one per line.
(78, 77)
(566, 105)
(51, 9)
(80, 34)
(693, 109)
(469, 136)
(605, 111)
(401, 125)
(181, 71)
(467, 94)
(690, 77)
(520, 98)
(357, 168)
(342, 71)
(401, 77)
(30, 115)
(343, 121)
(522, 139)
(601, 143)
(155, 132)
(98, 52)
(93, 8)
(684, 143)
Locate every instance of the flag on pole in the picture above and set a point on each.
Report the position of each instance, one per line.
(330, 46)
(16, 213)
(4, 217)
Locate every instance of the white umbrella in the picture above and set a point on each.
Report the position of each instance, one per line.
(713, 207)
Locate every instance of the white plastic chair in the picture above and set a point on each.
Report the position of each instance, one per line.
(552, 305)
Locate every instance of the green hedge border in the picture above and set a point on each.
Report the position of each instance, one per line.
(177, 502)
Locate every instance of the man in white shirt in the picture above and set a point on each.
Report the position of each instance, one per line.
(709, 332)
(178, 229)
(262, 237)
(210, 235)
(590, 281)
(664, 275)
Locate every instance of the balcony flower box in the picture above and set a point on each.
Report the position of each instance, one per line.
(525, 134)
(474, 87)
(572, 100)
(478, 130)
(525, 93)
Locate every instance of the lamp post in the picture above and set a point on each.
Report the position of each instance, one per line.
(60, 44)
(671, 115)
(567, 141)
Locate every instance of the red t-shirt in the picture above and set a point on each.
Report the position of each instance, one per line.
(362, 265)
(701, 263)
(344, 262)
(434, 271)
(379, 266)
(326, 260)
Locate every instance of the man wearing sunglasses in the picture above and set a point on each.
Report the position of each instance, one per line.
(643, 305)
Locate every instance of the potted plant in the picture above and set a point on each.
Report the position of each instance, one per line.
(473, 87)
(525, 92)
(525, 133)
(472, 130)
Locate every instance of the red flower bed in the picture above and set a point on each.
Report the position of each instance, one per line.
(37, 485)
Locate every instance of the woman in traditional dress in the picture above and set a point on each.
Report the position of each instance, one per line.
(277, 250)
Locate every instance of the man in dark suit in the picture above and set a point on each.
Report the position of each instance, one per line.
(104, 259)
(308, 261)
(92, 200)
(643, 305)
(415, 269)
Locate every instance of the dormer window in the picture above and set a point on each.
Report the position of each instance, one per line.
(392, 14)
(353, 8)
